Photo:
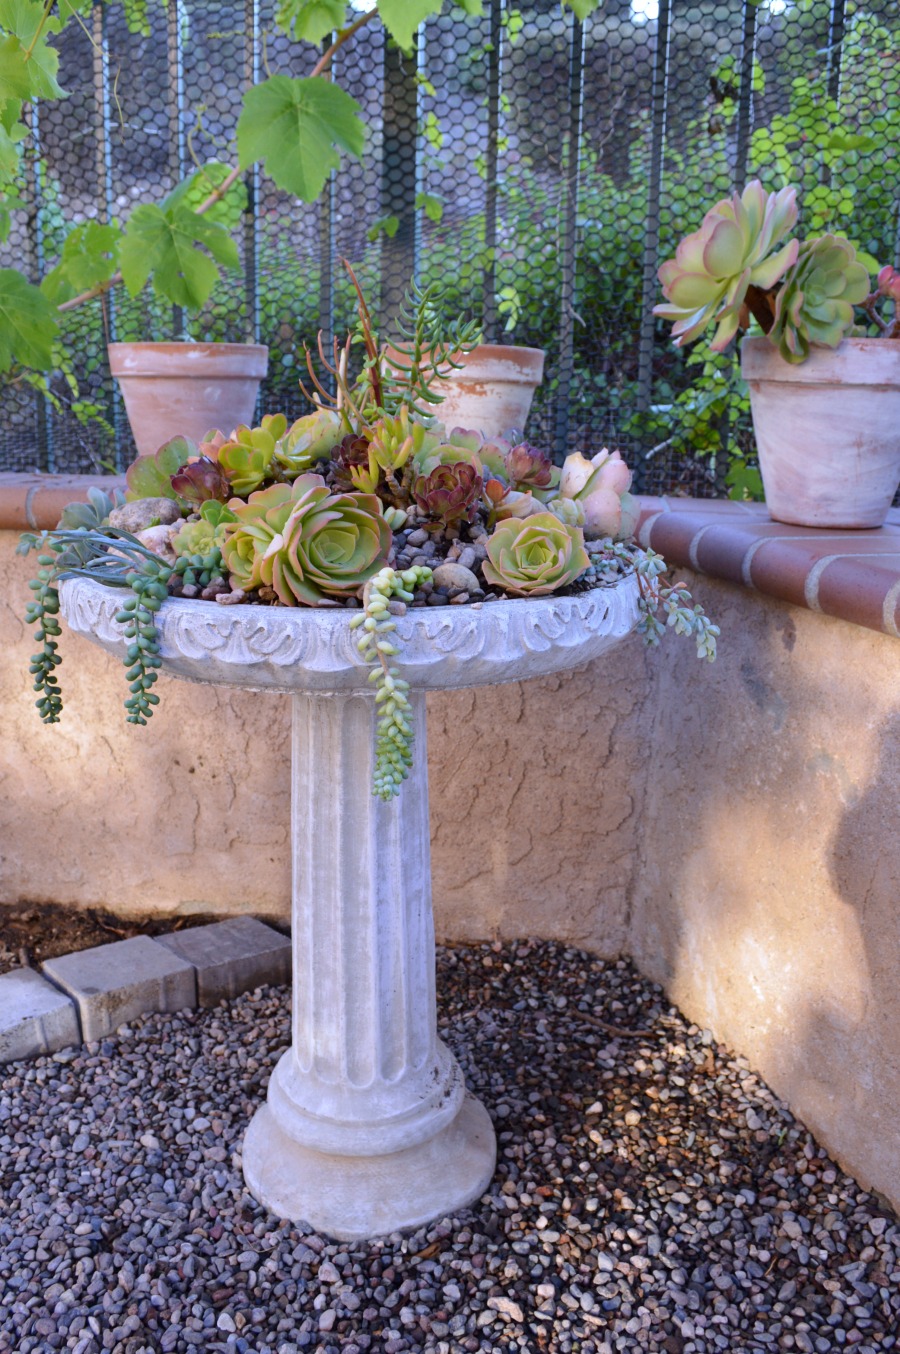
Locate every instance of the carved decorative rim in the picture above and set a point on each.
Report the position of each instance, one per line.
(282, 649)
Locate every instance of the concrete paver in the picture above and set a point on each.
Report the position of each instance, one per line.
(113, 983)
(232, 956)
(35, 1017)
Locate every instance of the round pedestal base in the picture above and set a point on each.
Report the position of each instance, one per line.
(357, 1198)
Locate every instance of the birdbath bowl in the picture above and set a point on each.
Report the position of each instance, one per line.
(367, 1127)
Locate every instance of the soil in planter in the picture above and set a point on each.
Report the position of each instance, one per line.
(33, 932)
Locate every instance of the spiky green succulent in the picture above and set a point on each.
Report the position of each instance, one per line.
(309, 439)
(815, 302)
(708, 279)
(305, 542)
(534, 555)
(247, 456)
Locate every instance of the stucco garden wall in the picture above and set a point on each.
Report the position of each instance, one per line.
(734, 827)
(766, 894)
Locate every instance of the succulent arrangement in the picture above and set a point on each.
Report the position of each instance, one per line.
(743, 261)
(368, 502)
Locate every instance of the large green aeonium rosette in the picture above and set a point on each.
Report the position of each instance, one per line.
(305, 542)
(534, 555)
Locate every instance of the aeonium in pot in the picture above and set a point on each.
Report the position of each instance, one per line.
(824, 390)
(369, 503)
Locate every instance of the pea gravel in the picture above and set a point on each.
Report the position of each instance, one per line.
(651, 1193)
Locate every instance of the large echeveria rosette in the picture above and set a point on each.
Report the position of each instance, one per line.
(306, 542)
(532, 556)
(708, 279)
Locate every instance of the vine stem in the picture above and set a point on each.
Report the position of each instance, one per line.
(234, 174)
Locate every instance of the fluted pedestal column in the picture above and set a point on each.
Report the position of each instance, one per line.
(368, 1126)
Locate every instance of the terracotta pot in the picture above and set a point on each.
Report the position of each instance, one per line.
(493, 389)
(827, 431)
(186, 388)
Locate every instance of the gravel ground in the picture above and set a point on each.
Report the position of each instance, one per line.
(651, 1193)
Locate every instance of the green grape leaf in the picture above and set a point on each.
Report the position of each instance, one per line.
(293, 126)
(28, 65)
(194, 191)
(311, 20)
(581, 8)
(434, 207)
(401, 18)
(164, 244)
(473, 7)
(27, 323)
(385, 225)
(89, 257)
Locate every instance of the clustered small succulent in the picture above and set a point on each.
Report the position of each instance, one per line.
(743, 262)
(358, 503)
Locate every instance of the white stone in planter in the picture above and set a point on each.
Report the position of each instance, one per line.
(368, 1126)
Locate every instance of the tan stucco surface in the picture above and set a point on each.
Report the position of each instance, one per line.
(775, 918)
(734, 827)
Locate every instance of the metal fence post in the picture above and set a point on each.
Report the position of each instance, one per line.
(658, 101)
(399, 179)
(494, 78)
(103, 162)
(571, 158)
(251, 179)
(177, 139)
(745, 96)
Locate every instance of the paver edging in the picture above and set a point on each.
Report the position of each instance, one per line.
(241, 953)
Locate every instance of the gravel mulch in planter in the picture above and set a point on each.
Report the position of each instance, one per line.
(651, 1193)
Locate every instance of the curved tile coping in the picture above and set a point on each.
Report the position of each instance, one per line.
(852, 575)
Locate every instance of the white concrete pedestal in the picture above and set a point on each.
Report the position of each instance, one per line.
(367, 1127)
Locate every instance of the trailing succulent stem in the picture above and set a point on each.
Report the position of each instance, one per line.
(117, 559)
(148, 587)
(656, 596)
(394, 732)
(43, 611)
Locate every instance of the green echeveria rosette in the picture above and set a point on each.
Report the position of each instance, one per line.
(258, 522)
(330, 545)
(534, 555)
(816, 300)
(247, 456)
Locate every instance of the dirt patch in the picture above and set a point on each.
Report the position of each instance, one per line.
(33, 932)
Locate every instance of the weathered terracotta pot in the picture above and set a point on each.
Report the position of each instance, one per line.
(827, 431)
(493, 389)
(186, 388)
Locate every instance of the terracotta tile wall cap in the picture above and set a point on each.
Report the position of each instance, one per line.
(34, 502)
(852, 575)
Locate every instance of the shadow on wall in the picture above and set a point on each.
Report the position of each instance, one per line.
(766, 901)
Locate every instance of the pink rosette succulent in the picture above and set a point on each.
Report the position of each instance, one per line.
(449, 494)
(599, 487)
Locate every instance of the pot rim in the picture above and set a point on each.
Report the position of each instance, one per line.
(187, 359)
(861, 361)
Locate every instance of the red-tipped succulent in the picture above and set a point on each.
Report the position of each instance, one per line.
(200, 480)
(449, 494)
(529, 468)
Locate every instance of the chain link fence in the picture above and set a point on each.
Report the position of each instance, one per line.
(537, 168)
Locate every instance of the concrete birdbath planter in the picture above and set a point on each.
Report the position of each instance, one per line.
(367, 1127)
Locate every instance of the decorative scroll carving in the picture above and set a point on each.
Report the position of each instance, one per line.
(315, 650)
